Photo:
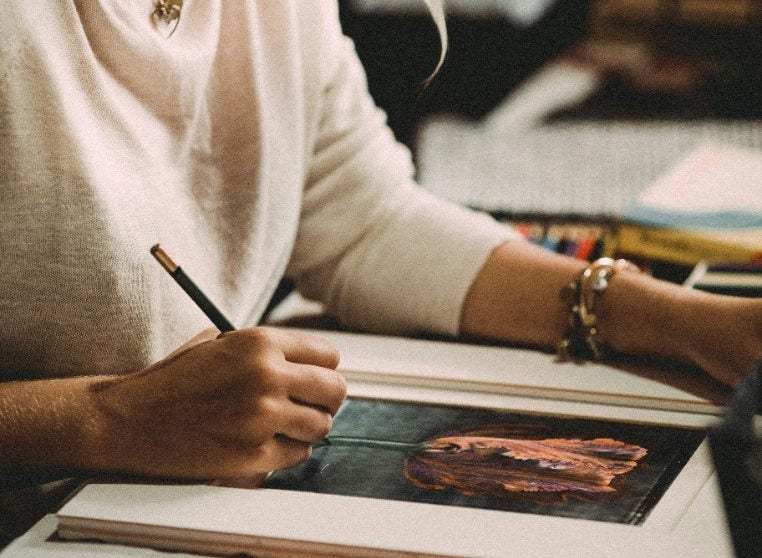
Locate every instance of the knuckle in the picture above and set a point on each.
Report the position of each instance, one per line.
(261, 372)
(268, 376)
(260, 456)
(262, 335)
(253, 339)
(263, 410)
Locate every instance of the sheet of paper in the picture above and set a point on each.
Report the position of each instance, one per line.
(713, 177)
(267, 522)
(672, 528)
(522, 372)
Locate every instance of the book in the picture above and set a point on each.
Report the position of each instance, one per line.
(687, 246)
(728, 279)
(708, 207)
(380, 486)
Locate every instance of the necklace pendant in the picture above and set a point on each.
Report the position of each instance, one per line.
(167, 12)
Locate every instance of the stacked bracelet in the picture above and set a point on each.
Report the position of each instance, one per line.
(582, 341)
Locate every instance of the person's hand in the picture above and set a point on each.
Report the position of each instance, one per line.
(726, 335)
(721, 335)
(238, 405)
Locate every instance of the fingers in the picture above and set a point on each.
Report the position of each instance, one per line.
(282, 452)
(262, 395)
(251, 467)
(304, 424)
(299, 366)
(277, 416)
(290, 452)
(307, 349)
(282, 439)
(310, 372)
(317, 387)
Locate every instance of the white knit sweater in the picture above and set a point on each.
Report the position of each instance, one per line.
(245, 143)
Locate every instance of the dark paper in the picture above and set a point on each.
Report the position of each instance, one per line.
(479, 458)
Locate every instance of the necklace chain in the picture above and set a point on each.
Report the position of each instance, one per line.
(167, 12)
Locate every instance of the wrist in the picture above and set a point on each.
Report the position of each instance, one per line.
(47, 424)
(643, 315)
(109, 441)
(722, 335)
(91, 439)
(582, 339)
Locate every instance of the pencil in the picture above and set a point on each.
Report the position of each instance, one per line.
(222, 323)
(201, 300)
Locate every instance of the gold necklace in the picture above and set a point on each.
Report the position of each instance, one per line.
(167, 12)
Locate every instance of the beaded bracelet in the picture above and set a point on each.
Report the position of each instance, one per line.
(581, 341)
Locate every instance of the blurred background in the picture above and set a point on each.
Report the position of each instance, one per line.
(657, 58)
(557, 115)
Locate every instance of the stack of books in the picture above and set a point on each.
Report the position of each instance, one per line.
(706, 208)
(728, 279)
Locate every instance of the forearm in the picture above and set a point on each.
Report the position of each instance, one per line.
(516, 298)
(221, 406)
(48, 424)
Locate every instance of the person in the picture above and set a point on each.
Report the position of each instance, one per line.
(241, 136)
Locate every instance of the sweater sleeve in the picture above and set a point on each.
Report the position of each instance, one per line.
(380, 252)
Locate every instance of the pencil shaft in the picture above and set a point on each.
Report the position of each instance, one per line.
(190, 288)
(220, 321)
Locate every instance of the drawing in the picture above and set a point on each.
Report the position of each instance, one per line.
(592, 469)
(486, 463)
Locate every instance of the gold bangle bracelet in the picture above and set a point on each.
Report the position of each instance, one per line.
(582, 341)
